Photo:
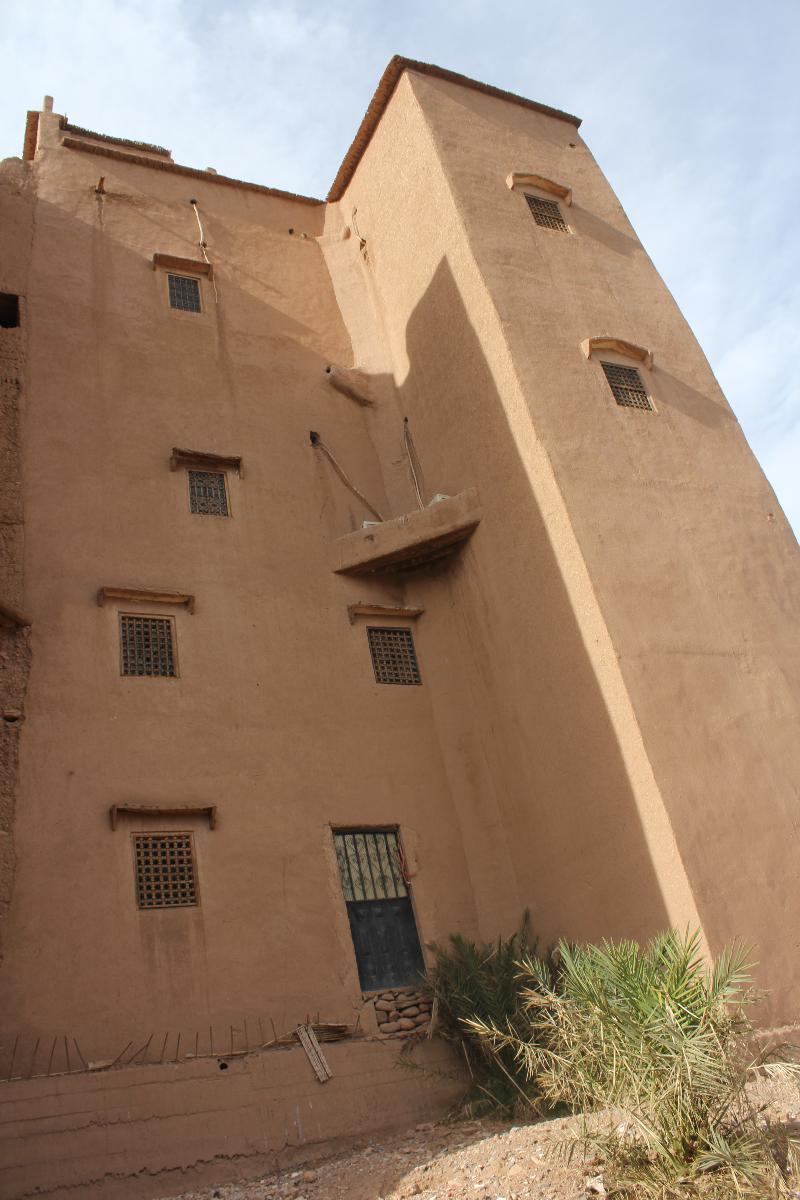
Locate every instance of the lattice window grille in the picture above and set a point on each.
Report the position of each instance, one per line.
(147, 646)
(546, 213)
(165, 870)
(627, 385)
(394, 658)
(207, 494)
(369, 864)
(184, 293)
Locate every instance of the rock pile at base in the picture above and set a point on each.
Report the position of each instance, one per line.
(401, 1010)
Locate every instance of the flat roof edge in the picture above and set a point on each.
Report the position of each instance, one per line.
(162, 164)
(388, 82)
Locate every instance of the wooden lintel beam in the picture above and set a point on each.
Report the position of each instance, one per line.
(145, 596)
(205, 461)
(618, 345)
(518, 180)
(146, 810)
(382, 610)
(190, 266)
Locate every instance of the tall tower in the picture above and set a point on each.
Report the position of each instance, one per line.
(376, 568)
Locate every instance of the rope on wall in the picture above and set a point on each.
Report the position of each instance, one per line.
(317, 441)
(202, 244)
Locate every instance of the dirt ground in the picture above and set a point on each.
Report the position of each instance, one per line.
(482, 1160)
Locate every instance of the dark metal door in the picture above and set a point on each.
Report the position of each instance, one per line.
(382, 922)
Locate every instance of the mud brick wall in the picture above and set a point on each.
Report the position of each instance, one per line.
(16, 220)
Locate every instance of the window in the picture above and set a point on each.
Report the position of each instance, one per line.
(184, 293)
(165, 870)
(394, 658)
(627, 385)
(146, 645)
(546, 213)
(207, 494)
(9, 310)
(376, 893)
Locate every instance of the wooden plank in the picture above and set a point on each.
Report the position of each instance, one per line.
(308, 1040)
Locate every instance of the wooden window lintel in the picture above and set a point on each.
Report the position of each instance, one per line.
(618, 346)
(205, 461)
(382, 610)
(519, 180)
(145, 596)
(182, 266)
(145, 810)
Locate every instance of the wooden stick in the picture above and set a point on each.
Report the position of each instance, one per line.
(33, 1058)
(142, 1049)
(13, 1056)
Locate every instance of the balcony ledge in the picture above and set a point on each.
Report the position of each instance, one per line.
(415, 540)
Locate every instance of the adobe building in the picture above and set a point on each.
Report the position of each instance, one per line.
(373, 569)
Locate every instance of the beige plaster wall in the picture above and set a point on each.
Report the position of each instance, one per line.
(556, 797)
(644, 723)
(276, 717)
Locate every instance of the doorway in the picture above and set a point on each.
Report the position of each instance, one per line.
(376, 893)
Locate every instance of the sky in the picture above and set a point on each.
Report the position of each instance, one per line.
(691, 108)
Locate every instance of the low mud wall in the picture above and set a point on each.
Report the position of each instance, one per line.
(149, 1131)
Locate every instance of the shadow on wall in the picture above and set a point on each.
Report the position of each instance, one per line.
(548, 814)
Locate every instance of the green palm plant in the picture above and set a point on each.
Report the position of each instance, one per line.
(655, 1044)
(471, 981)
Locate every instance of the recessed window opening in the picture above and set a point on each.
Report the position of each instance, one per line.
(9, 310)
(184, 293)
(546, 213)
(627, 386)
(146, 646)
(165, 870)
(379, 909)
(394, 658)
(207, 493)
